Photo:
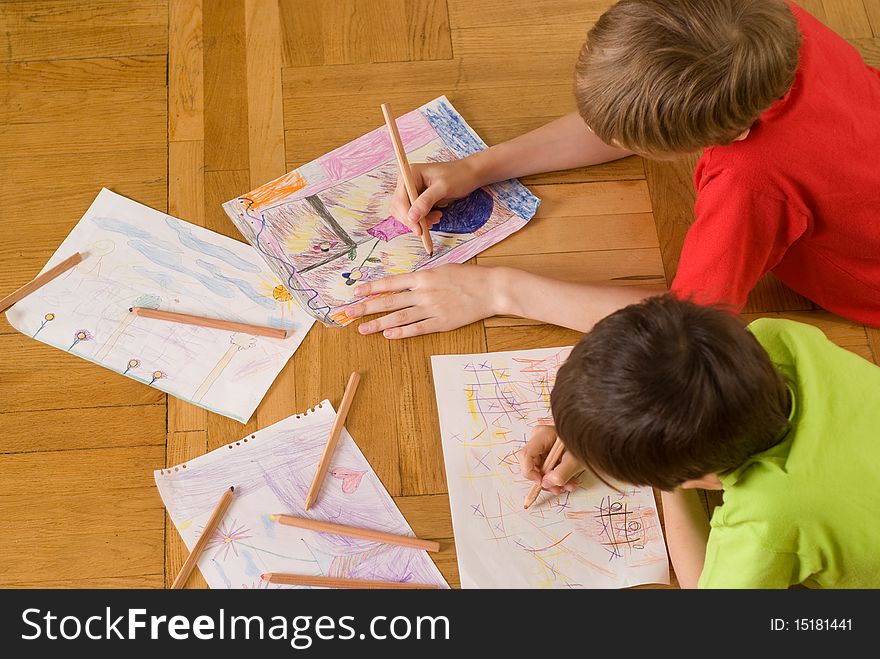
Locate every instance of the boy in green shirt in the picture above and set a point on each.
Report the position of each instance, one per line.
(679, 396)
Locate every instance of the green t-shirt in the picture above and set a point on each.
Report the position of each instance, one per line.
(806, 511)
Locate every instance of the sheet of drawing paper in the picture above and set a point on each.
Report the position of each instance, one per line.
(138, 257)
(595, 537)
(271, 471)
(325, 226)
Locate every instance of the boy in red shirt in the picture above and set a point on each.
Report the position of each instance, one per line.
(789, 117)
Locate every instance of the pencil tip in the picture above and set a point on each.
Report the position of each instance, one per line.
(130, 309)
(232, 488)
(266, 576)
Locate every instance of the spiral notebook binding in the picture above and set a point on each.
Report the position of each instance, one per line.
(319, 406)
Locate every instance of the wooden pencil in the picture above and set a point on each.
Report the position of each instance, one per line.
(355, 532)
(40, 280)
(215, 323)
(324, 462)
(339, 582)
(550, 462)
(406, 172)
(204, 538)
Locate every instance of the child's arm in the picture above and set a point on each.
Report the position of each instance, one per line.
(562, 144)
(454, 295)
(687, 532)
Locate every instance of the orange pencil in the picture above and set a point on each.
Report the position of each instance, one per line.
(355, 532)
(550, 463)
(187, 319)
(202, 542)
(344, 406)
(406, 172)
(40, 280)
(338, 582)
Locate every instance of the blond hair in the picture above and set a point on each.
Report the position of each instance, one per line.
(674, 76)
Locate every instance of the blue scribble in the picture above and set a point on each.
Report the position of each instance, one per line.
(187, 239)
(175, 262)
(466, 215)
(461, 139)
(243, 286)
(130, 230)
(250, 567)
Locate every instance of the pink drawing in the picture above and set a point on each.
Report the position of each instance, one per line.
(350, 478)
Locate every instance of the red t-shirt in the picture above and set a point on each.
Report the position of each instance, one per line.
(800, 196)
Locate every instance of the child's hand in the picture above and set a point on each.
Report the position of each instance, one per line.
(531, 459)
(435, 300)
(439, 183)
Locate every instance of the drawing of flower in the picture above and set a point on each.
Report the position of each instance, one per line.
(46, 319)
(325, 246)
(132, 363)
(281, 293)
(157, 375)
(353, 276)
(80, 335)
(225, 537)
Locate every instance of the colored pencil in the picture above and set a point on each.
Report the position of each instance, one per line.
(338, 582)
(355, 532)
(550, 463)
(321, 471)
(187, 319)
(202, 542)
(406, 172)
(40, 280)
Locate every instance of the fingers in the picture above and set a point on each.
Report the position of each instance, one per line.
(434, 217)
(393, 320)
(392, 284)
(563, 477)
(413, 329)
(531, 456)
(424, 203)
(381, 304)
(400, 207)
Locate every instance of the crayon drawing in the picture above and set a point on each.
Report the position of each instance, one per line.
(326, 226)
(138, 257)
(271, 471)
(595, 537)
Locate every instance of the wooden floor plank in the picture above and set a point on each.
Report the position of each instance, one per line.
(622, 267)
(420, 452)
(186, 88)
(847, 17)
(92, 491)
(182, 446)
(360, 31)
(36, 376)
(527, 337)
(225, 87)
(872, 9)
(65, 29)
(80, 428)
(525, 14)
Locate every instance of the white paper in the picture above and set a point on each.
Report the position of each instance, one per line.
(136, 256)
(271, 471)
(595, 537)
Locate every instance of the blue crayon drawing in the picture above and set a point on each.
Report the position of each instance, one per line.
(187, 239)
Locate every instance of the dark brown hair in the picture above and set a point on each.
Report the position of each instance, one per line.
(667, 391)
(665, 77)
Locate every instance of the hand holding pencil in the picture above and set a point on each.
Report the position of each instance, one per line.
(544, 461)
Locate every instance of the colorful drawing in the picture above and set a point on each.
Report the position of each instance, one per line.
(272, 470)
(325, 226)
(48, 318)
(238, 342)
(79, 336)
(350, 479)
(595, 537)
(145, 301)
(139, 257)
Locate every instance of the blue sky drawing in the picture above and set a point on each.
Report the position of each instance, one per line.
(187, 239)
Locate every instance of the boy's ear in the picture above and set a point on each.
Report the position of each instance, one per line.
(742, 135)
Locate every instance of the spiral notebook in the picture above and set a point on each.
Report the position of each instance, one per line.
(271, 471)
